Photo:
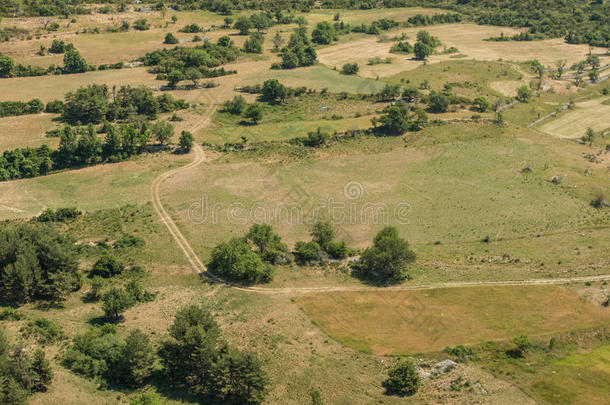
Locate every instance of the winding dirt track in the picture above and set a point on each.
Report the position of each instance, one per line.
(201, 268)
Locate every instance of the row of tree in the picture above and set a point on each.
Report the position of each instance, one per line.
(81, 146)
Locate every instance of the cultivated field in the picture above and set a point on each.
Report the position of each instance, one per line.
(573, 124)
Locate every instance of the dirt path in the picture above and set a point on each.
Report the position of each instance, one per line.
(201, 268)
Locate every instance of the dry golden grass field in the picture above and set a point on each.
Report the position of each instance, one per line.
(419, 321)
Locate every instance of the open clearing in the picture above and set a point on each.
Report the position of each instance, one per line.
(410, 322)
(467, 38)
(20, 131)
(572, 124)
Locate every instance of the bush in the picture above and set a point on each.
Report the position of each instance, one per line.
(107, 266)
(59, 215)
(524, 93)
(402, 379)
(101, 352)
(170, 39)
(254, 112)
(10, 314)
(43, 330)
(462, 353)
(315, 139)
(235, 106)
(54, 106)
(439, 103)
(235, 261)
(350, 69)
(127, 241)
(387, 258)
(306, 253)
(141, 24)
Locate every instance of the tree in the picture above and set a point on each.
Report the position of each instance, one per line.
(481, 104)
(107, 266)
(524, 93)
(268, 242)
(239, 379)
(236, 261)
(163, 131)
(74, 62)
(170, 39)
(324, 33)
(36, 262)
(86, 105)
(174, 77)
(254, 112)
(538, 68)
(523, 343)
(7, 64)
(41, 371)
(136, 360)
(116, 301)
(593, 61)
(194, 75)
(243, 25)
(308, 252)
(273, 90)
(422, 50)
(387, 258)
(426, 38)
(350, 68)
(254, 44)
(439, 102)
(593, 75)
(277, 40)
(560, 65)
(186, 141)
(579, 67)
(322, 233)
(403, 378)
(97, 285)
(197, 357)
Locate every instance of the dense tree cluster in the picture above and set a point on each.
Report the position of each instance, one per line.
(81, 146)
(91, 104)
(299, 51)
(198, 359)
(174, 64)
(22, 372)
(36, 263)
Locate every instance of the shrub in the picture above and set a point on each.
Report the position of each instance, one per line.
(324, 33)
(127, 241)
(107, 266)
(524, 93)
(235, 261)
(10, 314)
(316, 138)
(401, 47)
(439, 102)
(350, 69)
(402, 379)
(254, 112)
(462, 353)
(55, 106)
(141, 24)
(43, 330)
(170, 39)
(235, 106)
(306, 253)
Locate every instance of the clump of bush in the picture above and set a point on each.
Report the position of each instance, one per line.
(350, 69)
(116, 300)
(44, 331)
(107, 266)
(462, 353)
(127, 241)
(403, 379)
(102, 353)
(59, 215)
(322, 246)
